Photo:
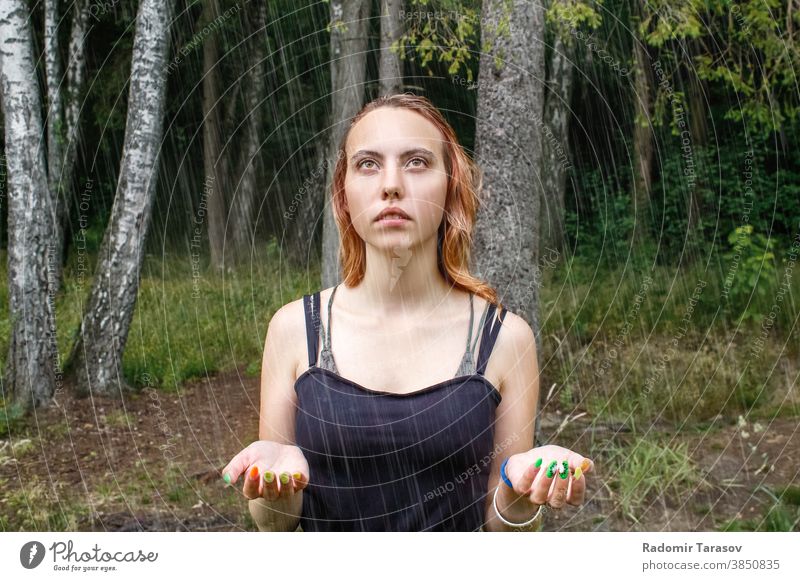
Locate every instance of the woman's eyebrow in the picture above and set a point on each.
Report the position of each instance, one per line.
(408, 153)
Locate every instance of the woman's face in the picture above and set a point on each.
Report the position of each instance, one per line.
(395, 158)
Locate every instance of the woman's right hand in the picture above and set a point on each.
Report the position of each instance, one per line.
(271, 470)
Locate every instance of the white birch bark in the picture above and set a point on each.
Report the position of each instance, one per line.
(104, 329)
(32, 362)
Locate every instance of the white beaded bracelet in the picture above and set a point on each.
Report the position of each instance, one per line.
(514, 524)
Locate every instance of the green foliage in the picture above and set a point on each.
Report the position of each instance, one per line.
(446, 30)
(731, 186)
(664, 21)
(751, 271)
(746, 52)
(605, 225)
(565, 15)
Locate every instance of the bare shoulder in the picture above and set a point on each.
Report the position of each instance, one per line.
(288, 326)
(515, 331)
(287, 333)
(515, 343)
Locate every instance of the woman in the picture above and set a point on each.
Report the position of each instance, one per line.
(383, 435)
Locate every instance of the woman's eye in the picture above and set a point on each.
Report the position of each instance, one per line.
(361, 165)
(424, 162)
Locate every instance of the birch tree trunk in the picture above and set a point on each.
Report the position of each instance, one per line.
(32, 361)
(55, 134)
(390, 67)
(509, 151)
(555, 143)
(213, 160)
(105, 326)
(349, 20)
(64, 96)
(246, 196)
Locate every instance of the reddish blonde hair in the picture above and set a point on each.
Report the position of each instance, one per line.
(461, 204)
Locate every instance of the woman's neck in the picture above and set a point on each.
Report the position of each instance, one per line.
(405, 279)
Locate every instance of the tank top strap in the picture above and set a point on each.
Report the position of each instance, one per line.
(326, 360)
(311, 304)
(467, 365)
(489, 336)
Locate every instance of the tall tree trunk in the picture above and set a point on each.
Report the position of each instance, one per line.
(555, 143)
(508, 148)
(348, 69)
(31, 364)
(642, 140)
(55, 135)
(62, 122)
(245, 196)
(390, 67)
(213, 161)
(104, 329)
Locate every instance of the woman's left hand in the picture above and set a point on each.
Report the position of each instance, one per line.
(551, 482)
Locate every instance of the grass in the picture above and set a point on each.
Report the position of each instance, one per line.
(38, 508)
(648, 471)
(186, 324)
(617, 344)
(782, 515)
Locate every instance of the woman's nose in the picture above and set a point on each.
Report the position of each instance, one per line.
(392, 183)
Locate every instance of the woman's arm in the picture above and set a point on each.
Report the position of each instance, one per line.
(286, 331)
(515, 353)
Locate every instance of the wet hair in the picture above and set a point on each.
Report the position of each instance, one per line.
(454, 237)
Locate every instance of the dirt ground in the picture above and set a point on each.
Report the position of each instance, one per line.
(154, 461)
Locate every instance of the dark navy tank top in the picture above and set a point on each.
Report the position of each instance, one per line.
(380, 461)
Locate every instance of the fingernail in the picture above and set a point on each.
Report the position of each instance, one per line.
(538, 463)
(551, 469)
(585, 465)
(297, 476)
(578, 473)
(269, 476)
(284, 478)
(227, 478)
(564, 469)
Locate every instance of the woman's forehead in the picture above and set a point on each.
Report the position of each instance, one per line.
(392, 131)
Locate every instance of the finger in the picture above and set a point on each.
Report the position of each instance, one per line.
(237, 466)
(285, 486)
(576, 460)
(525, 482)
(251, 483)
(270, 491)
(541, 486)
(577, 488)
(559, 495)
(299, 481)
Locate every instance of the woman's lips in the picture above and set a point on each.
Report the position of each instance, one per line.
(393, 221)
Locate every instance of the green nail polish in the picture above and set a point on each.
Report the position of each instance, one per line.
(565, 471)
(269, 476)
(538, 462)
(285, 478)
(227, 478)
(551, 468)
